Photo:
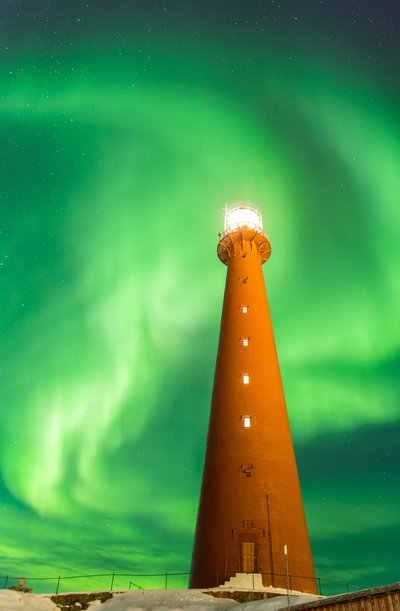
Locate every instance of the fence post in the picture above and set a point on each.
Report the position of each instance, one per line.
(166, 581)
(319, 586)
(5, 583)
(112, 581)
(58, 585)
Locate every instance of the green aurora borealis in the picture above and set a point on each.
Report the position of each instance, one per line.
(125, 128)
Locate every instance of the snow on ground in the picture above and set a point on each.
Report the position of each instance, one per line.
(19, 601)
(197, 600)
(164, 600)
(151, 600)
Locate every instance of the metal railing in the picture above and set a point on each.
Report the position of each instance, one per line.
(166, 580)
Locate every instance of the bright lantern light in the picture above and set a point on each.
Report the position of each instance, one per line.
(243, 216)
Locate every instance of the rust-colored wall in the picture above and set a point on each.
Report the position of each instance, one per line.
(386, 602)
(382, 598)
(265, 508)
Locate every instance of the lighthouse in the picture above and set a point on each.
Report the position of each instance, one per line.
(251, 518)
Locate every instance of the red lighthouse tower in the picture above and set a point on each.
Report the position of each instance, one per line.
(251, 510)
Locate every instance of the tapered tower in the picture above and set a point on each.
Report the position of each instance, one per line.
(250, 506)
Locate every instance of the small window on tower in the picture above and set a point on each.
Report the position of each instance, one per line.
(247, 422)
(246, 378)
(244, 279)
(245, 341)
(245, 309)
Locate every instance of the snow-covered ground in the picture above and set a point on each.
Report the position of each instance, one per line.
(150, 600)
(18, 601)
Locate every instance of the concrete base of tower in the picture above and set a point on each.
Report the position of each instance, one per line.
(252, 581)
(245, 581)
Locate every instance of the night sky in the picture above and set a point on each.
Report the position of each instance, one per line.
(125, 128)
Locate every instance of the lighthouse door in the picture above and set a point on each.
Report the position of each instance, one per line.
(247, 546)
(248, 557)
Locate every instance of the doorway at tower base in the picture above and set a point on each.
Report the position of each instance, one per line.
(252, 581)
